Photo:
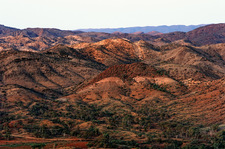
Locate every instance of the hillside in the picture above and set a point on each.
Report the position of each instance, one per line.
(37, 39)
(35, 32)
(209, 34)
(116, 90)
(46, 73)
(7, 31)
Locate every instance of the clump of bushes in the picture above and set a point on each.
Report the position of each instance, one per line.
(108, 141)
(91, 132)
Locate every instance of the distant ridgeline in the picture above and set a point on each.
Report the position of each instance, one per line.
(146, 29)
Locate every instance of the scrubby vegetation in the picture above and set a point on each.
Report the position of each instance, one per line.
(152, 124)
(114, 93)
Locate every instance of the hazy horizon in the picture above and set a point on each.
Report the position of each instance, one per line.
(115, 27)
(95, 14)
(149, 25)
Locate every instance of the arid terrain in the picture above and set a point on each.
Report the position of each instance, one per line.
(73, 89)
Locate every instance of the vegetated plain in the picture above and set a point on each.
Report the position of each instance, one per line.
(112, 90)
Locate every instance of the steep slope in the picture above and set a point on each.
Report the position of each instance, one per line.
(204, 104)
(205, 35)
(109, 51)
(17, 93)
(123, 88)
(114, 88)
(176, 58)
(127, 72)
(26, 43)
(35, 32)
(216, 51)
(48, 32)
(184, 62)
(132, 37)
(7, 31)
(145, 50)
(210, 34)
(35, 39)
(127, 85)
(48, 72)
(118, 51)
(173, 36)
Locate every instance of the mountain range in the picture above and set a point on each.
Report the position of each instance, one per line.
(147, 29)
(112, 90)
